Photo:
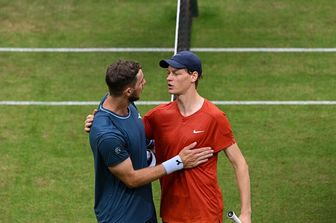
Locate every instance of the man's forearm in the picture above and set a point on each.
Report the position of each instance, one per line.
(136, 178)
(146, 175)
(243, 180)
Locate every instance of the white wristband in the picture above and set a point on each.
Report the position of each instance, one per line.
(173, 164)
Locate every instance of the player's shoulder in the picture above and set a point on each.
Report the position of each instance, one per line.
(103, 128)
(102, 123)
(162, 108)
(165, 106)
(101, 118)
(212, 110)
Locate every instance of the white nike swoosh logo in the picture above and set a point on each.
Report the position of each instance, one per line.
(196, 131)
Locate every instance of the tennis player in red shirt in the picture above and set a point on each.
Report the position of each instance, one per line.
(193, 195)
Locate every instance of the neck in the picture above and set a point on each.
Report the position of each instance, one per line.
(189, 103)
(118, 105)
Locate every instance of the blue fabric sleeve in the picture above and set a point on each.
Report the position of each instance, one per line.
(113, 151)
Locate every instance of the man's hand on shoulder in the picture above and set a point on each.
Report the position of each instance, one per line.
(89, 120)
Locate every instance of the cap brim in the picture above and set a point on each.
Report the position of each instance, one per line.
(173, 63)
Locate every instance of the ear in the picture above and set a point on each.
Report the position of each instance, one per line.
(194, 76)
(128, 91)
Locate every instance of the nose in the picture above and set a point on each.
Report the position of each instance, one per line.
(169, 76)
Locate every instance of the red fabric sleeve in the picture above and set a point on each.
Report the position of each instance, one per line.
(148, 125)
(222, 133)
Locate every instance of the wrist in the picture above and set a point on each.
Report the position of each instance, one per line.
(173, 164)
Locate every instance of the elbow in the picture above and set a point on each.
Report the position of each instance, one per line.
(241, 165)
(131, 182)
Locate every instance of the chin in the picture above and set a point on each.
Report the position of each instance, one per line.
(171, 90)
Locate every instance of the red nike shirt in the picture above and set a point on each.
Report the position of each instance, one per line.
(190, 195)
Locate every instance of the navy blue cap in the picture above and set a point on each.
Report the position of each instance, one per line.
(184, 59)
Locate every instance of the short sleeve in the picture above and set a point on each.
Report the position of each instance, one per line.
(222, 133)
(113, 151)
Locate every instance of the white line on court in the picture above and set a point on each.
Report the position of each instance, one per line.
(213, 50)
(270, 50)
(86, 50)
(84, 103)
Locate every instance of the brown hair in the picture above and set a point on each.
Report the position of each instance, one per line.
(120, 75)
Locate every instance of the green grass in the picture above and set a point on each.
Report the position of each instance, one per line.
(249, 76)
(48, 173)
(104, 23)
(145, 23)
(290, 151)
(46, 165)
(46, 168)
(260, 23)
